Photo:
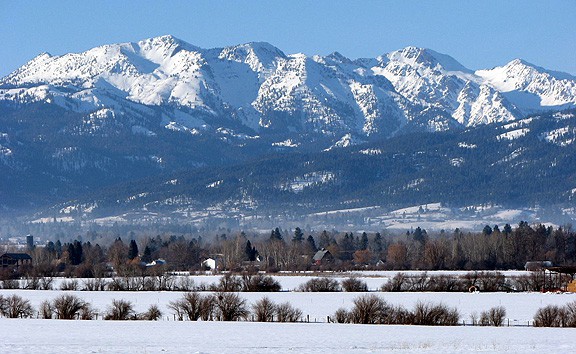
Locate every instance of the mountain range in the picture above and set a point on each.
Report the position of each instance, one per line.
(73, 125)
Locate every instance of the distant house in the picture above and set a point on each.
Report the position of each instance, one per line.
(209, 263)
(323, 256)
(15, 260)
(537, 265)
(157, 262)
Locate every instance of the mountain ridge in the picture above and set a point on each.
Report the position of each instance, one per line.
(80, 122)
(268, 89)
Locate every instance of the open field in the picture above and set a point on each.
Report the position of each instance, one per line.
(47, 337)
(316, 307)
(169, 336)
(520, 307)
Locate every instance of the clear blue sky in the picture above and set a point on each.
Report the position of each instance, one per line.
(479, 34)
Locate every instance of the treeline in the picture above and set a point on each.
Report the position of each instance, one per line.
(258, 282)
(492, 249)
(229, 306)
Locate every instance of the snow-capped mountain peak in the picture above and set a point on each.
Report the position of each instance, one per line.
(531, 87)
(424, 58)
(160, 48)
(258, 55)
(257, 85)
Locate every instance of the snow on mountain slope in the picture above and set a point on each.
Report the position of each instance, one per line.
(428, 78)
(151, 72)
(531, 87)
(260, 56)
(257, 86)
(330, 94)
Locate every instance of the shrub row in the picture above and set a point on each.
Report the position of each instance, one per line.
(556, 316)
(493, 317)
(471, 281)
(371, 309)
(193, 306)
(229, 306)
(164, 282)
(483, 281)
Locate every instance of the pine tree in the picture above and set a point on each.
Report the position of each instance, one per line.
(364, 241)
(147, 257)
(276, 235)
(419, 235)
(311, 243)
(78, 253)
(71, 253)
(377, 243)
(298, 235)
(132, 250)
(248, 252)
(324, 239)
(58, 248)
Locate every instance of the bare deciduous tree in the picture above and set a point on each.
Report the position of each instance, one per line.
(285, 312)
(152, 314)
(428, 314)
(354, 285)
(230, 307)
(46, 310)
(370, 309)
(264, 310)
(120, 310)
(323, 284)
(68, 307)
(190, 306)
(15, 307)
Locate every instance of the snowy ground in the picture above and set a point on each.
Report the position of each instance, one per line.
(52, 336)
(316, 307)
(169, 336)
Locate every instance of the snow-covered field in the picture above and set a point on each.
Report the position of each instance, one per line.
(47, 337)
(169, 336)
(520, 307)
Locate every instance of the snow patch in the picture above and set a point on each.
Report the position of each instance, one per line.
(286, 143)
(215, 184)
(514, 134)
(310, 179)
(457, 161)
(139, 130)
(371, 152)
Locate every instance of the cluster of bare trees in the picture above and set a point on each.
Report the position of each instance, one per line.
(229, 306)
(193, 306)
(484, 281)
(473, 281)
(493, 317)
(371, 309)
(556, 316)
(247, 281)
(493, 248)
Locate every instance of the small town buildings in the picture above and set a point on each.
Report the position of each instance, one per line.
(209, 263)
(321, 257)
(533, 266)
(15, 260)
(156, 262)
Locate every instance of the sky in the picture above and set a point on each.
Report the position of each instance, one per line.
(479, 34)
